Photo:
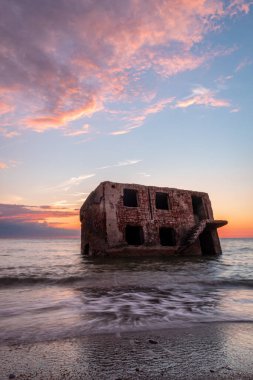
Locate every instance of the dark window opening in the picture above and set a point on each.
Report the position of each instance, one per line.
(134, 235)
(87, 249)
(198, 208)
(206, 243)
(161, 201)
(130, 198)
(167, 236)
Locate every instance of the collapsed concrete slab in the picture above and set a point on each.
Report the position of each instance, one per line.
(134, 220)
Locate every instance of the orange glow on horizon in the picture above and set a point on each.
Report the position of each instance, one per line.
(70, 222)
(235, 232)
(239, 223)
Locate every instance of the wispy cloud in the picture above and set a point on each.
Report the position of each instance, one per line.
(120, 163)
(244, 63)
(235, 110)
(59, 119)
(136, 118)
(82, 131)
(9, 134)
(79, 194)
(128, 162)
(172, 65)
(5, 108)
(68, 184)
(223, 79)
(235, 6)
(81, 58)
(120, 132)
(143, 174)
(202, 96)
(3, 165)
(8, 164)
(63, 203)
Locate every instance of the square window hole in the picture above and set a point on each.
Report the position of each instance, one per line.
(167, 236)
(161, 201)
(130, 198)
(134, 235)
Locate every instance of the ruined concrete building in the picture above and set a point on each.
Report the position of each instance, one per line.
(129, 219)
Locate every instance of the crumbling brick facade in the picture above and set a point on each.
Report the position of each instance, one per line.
(130, 219)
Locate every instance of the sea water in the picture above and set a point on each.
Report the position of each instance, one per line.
(49, 291)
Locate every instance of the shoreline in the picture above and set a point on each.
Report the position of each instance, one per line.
(204, 351)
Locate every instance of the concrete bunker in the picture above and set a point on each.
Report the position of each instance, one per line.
(130, 219)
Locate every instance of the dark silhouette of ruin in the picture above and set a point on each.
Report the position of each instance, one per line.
(133, 220)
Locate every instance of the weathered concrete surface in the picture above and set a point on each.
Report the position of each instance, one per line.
(105, 219)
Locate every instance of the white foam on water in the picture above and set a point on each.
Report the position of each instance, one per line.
(48, 291)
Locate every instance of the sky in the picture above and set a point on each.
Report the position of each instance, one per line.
(153, 92)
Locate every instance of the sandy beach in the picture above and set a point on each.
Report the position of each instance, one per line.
(205, 351)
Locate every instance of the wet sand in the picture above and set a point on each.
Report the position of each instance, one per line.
(205, 351)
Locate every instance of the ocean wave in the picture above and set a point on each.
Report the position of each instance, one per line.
(76, 279)
(20, 336)
(31, 280)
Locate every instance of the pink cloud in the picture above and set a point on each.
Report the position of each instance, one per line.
(41, 221)
(61, 63)
(5, 108)
(135, 119)
(138, 119)
(9, 164)
(3, 165)
(202, 96)
(236, 6)
(10, 211)
(168, 66)
(82, 131)
(62, 118)
(9, 134)
(120, 132)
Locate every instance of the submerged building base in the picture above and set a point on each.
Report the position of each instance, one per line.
(135, 220)
(137, 251)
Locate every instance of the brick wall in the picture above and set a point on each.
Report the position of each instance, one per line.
(179, 216)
